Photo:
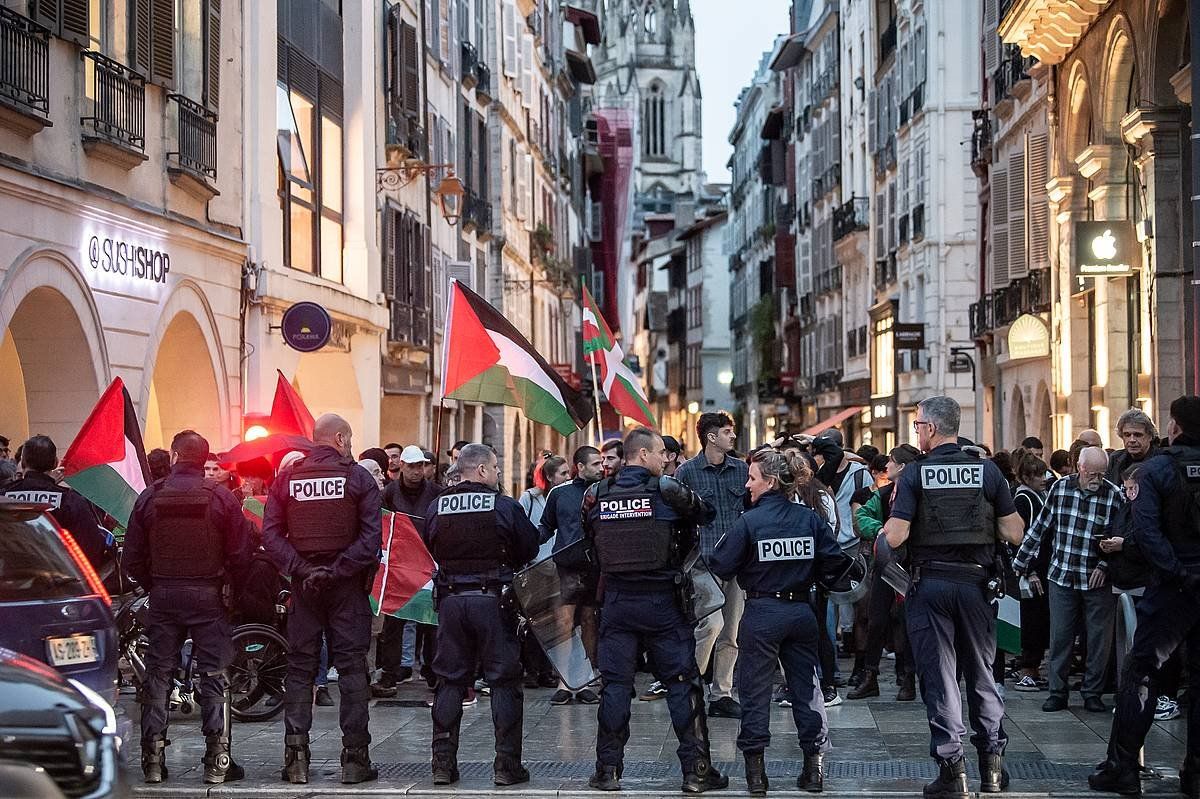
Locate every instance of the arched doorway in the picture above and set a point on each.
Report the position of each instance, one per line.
(184, 393)
(1045, 418)
(48, 378)
(1016, 425)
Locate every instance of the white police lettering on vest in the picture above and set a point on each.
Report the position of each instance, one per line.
(629, 508)
(317, 488)
(1193, 472)
(774, 549)
(475, 502)
(952, 475)
(51, 498)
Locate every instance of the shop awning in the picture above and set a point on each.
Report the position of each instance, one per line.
(832, 421)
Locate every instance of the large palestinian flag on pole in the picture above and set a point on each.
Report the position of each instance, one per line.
(107, 462)
(485, 359)
(621, 385)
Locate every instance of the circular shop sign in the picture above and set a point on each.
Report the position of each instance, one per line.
(306, 327)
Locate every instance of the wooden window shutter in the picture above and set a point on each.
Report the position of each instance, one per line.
(410, 54)
(1039, 209)
(1018, 259)
(212, 54)
(140, 36)
(991, 42)
(73, 17)
(390, 219)
(48, 13)
(999, 192)
(162, 37)
(508, 15)
(392, 67)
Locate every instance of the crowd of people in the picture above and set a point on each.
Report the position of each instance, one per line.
(1064, 528)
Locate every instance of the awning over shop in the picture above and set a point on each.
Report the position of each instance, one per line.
(836, 419)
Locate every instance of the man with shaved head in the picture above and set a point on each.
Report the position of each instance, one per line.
(1091, 438)
(322, 527)
(1078, 513)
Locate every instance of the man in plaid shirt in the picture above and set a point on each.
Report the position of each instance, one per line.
(1077, 514)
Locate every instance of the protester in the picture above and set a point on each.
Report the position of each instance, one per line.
(1030, 498)
(394, 465)
(381, 457)
(1033, 445)
(674, 455)
(159, 461)
(612, 456)
(1078, 512)
(547, 474)
(1060, 462)
(1137, 433)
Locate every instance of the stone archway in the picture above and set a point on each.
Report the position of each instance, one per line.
(1044, 419)
(183, 392)
(1016, 425)
(1120, 76)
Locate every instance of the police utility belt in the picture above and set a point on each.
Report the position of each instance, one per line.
(962, 572)
(799, 595)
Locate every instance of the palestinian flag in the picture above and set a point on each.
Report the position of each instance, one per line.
(1008, 625)
(107, 462)
(621, 386)
(485, 359)
(404, 569)
(420, 607)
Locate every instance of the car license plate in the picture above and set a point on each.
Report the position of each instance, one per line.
(76, 649)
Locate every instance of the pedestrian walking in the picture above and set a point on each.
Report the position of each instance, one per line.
(641, 525)
(478, 537)
(778, 550)
(1167, 525)
(187, 540)
(720, 480)
(1078, 513)
(952, 508)
(321, 526)
(1030, 498)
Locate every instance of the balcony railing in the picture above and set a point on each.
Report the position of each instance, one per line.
(118, 103)
(483, 81)
(469, 58)
(851, 216)
(981, 316)
(197, 137)
(24, 62)
(1025, 295)
(409, 324)
(477, 214)
(981, 141)
(1012, 70)
(404, 134)
(885, 271)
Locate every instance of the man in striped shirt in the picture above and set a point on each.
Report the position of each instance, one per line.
(1077, 515)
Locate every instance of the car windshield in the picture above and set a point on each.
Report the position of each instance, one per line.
(34, 564)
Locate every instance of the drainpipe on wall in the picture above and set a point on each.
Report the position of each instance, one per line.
(1194, 18)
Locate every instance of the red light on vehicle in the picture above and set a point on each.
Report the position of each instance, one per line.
(85, 566)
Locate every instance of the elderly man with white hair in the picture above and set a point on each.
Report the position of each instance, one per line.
(1077, 514)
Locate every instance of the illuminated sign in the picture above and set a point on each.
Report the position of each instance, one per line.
(1105, 249)
(127, 259)
(1028, 337)
(306, 327)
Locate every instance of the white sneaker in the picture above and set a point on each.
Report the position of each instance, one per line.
(1027, 685)
(1166, 710)
(833, 698)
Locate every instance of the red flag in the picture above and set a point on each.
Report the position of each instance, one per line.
(406, 567)
(289, 414)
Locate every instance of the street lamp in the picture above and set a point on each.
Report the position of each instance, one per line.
(449, 192)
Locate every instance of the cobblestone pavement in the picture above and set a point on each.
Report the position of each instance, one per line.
(880, 747)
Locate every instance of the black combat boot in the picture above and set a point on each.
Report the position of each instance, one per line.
(867, 687)
(703, 777)
(445, 769)
(756, 774)
(295, 759)
(812, 779)
(356, 766)
(1110, 777)
(508, 771)
(993, 777)
(606, 778)
(908, 689)
(951, 782)
(154, 759)
(219, 766)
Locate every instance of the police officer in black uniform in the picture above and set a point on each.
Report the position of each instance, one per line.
(39, 456)
(641, 525)
(322, 527)
(779, 550)
(1166, 520)
(952, 508)
(478, 537)
(186, 539)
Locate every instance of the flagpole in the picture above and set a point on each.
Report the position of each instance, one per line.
(596, 398)
(437, 430)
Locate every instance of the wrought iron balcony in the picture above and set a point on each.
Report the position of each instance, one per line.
(469, 58)
(25, 66)
(1024, 295)
(1012, 70)
(477, 214)
(851, 216)
(483, 82)
(981, 316)
(196, 134)
(885, 271)
(981, 142)
(409, 324)
(405, 136)
(118, 103)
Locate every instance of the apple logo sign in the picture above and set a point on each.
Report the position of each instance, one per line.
(1104, 246)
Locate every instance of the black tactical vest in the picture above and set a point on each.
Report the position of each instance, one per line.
(322, 517)
(467, 540)
(627, 535)
(951, 507)
(1181, 510)
(184, 540)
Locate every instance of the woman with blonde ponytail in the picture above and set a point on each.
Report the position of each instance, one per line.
(778, 550)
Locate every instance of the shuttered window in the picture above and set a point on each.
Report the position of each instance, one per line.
(1018, 262)
(68, 19)
(152, 40)
(1039, 208)
(999, 210)
(403, 73)
(212, 54)
(991, 42)
(508, 19)
(406, 275)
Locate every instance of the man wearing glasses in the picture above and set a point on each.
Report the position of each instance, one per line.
(952, 508)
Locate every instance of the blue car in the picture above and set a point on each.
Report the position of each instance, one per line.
(54, 607)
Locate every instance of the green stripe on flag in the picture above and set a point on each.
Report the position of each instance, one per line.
(107, 489)
(1008, 625)
(419, 608)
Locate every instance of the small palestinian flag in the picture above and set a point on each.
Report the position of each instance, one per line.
(621, 385)
(485, 359)
(404, 569)
(107, 462)
(1008, 625)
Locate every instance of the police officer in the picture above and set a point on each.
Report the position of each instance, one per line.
(322, 527)
(1166, 518)
(641, 526)
(186, 538)
(779, 550)
(952, 507)
(39, 456)
(478, 537)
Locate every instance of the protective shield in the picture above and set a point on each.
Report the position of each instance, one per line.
(707, 593)
(561, 611)
(889, 567)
